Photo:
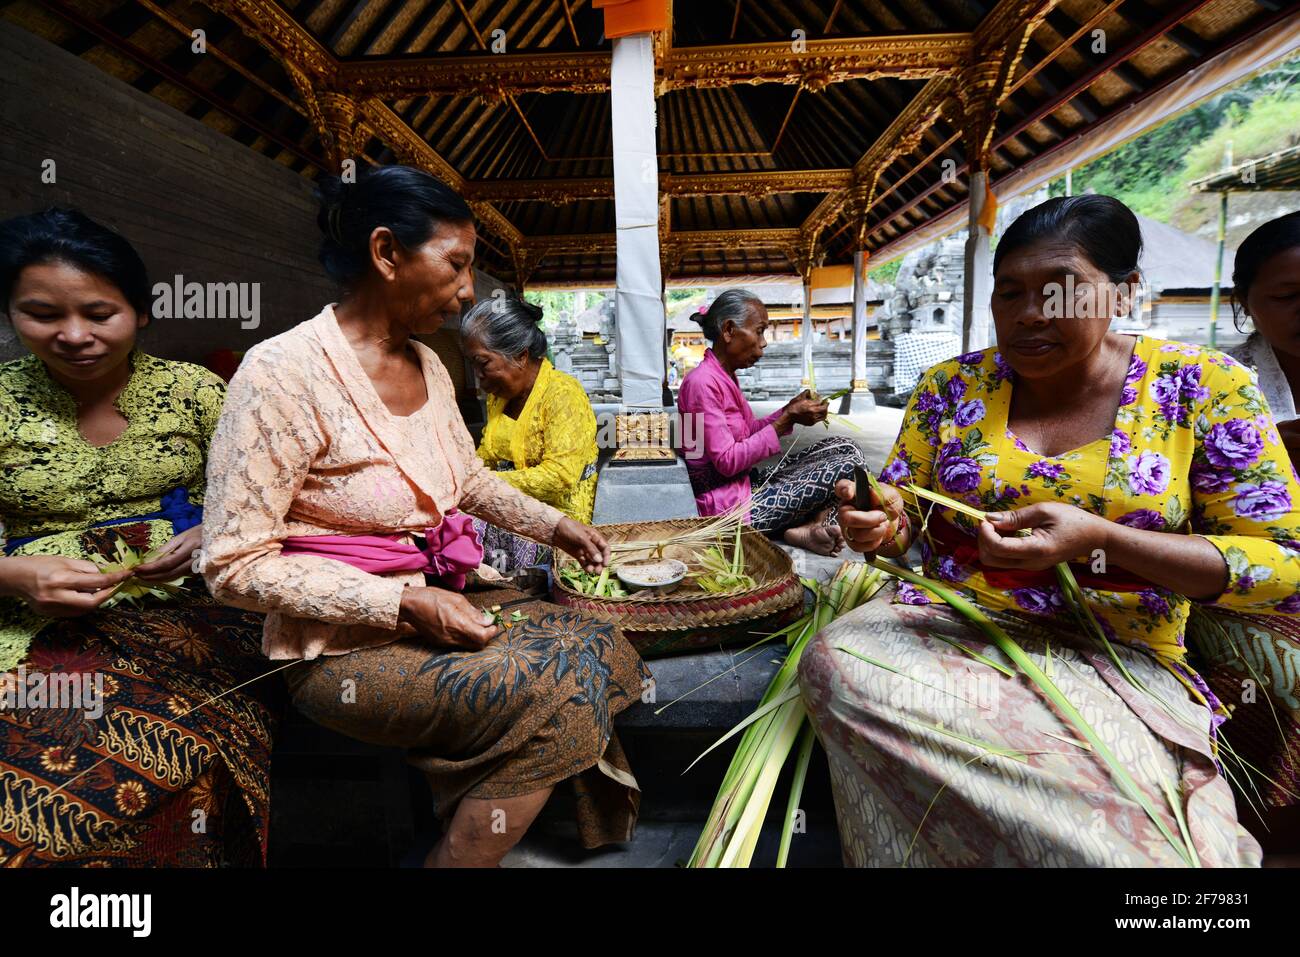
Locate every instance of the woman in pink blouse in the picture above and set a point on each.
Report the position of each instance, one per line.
(336, 476)
(795, 499)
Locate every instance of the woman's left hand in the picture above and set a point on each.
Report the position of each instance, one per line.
(1061, 533)
(174, 559)
(583, 542)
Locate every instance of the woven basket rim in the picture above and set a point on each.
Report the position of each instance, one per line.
(776, 585)
(751, 538)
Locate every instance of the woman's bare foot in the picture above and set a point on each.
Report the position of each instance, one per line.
(815, 536)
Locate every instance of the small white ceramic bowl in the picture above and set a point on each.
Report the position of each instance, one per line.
(661, 574)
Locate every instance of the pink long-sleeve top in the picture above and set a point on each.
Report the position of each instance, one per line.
(727, 440)
(305, 446)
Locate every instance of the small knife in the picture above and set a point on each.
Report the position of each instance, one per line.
(861, 489)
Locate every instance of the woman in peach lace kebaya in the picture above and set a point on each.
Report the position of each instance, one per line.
(336, 478)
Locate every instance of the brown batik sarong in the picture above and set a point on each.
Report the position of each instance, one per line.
(532, 709)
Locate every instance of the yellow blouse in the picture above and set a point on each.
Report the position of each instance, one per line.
(1194, 450)
(549, 452)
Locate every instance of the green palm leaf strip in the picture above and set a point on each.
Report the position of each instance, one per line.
(1048, 687)
(770, 734)
(806, 741)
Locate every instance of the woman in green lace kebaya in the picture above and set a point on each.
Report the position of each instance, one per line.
(102, 445)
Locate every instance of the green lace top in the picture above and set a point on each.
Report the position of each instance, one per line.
(53, 480)
(54, 484)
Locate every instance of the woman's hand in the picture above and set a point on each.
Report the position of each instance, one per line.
(803, 409)
(445, 618)
(583, 542)
(55, 586)
(868, 531)
(1061, 533)
(175, 558)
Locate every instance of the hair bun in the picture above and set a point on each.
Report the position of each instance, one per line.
(534, 311)
(331, 193)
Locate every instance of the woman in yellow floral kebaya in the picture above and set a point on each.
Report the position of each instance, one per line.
(541, 432)
(1156, 470)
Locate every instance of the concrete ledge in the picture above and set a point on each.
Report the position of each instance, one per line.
(643, 492)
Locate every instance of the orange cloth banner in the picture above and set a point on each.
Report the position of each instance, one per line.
(832, 277)
(626, 17)
(988, 217)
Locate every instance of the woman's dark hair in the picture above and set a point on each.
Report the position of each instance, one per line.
(1102, 227)
(409, 202)
(62, 234)
(733, 304)
(506, 325)
(1273, 237)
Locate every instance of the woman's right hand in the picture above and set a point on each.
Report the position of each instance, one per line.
(445, 618)
(803, 409)
(55, 586)
(868, 531)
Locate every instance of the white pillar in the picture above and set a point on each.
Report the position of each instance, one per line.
(639, 310)
(806, 334)
(976, 324)
(860, 398)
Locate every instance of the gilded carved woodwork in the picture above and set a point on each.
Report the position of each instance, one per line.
(281, 35)
(753, 184)
(903, 137)
(490, 75)
(1006, 23)
(857, 202)
(340, 132)
(977, 94)
(526, 259)
(969, 74)
(815, 64)
(670, 259)
(756, 184)
(805, 253)
(557, 192)
(589, 243)
(985, 81)
(394, 131)
(819, 63)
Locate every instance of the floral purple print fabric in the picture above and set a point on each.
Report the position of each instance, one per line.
(1193, 450)
(1234, 445)
(1148, 473)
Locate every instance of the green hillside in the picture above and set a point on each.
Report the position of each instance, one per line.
(1150, 173)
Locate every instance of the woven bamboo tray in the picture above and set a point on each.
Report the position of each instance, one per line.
(690, 619)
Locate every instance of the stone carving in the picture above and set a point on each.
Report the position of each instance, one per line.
(565, 338)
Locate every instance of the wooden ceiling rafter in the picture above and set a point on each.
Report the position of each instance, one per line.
(173, 76)
(1144, 39)
(825, 61)
(976, 104)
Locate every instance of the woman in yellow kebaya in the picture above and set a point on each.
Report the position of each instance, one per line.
(541, 432)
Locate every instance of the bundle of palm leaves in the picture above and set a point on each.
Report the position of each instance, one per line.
(722, 574)
(769, 734)
(731, 832)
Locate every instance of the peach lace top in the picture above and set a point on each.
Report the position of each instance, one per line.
(305, 446)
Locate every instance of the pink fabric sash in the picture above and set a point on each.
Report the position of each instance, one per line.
(453, 550)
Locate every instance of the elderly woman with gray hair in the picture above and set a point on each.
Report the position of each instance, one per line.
(796, 498)
(541, 432)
